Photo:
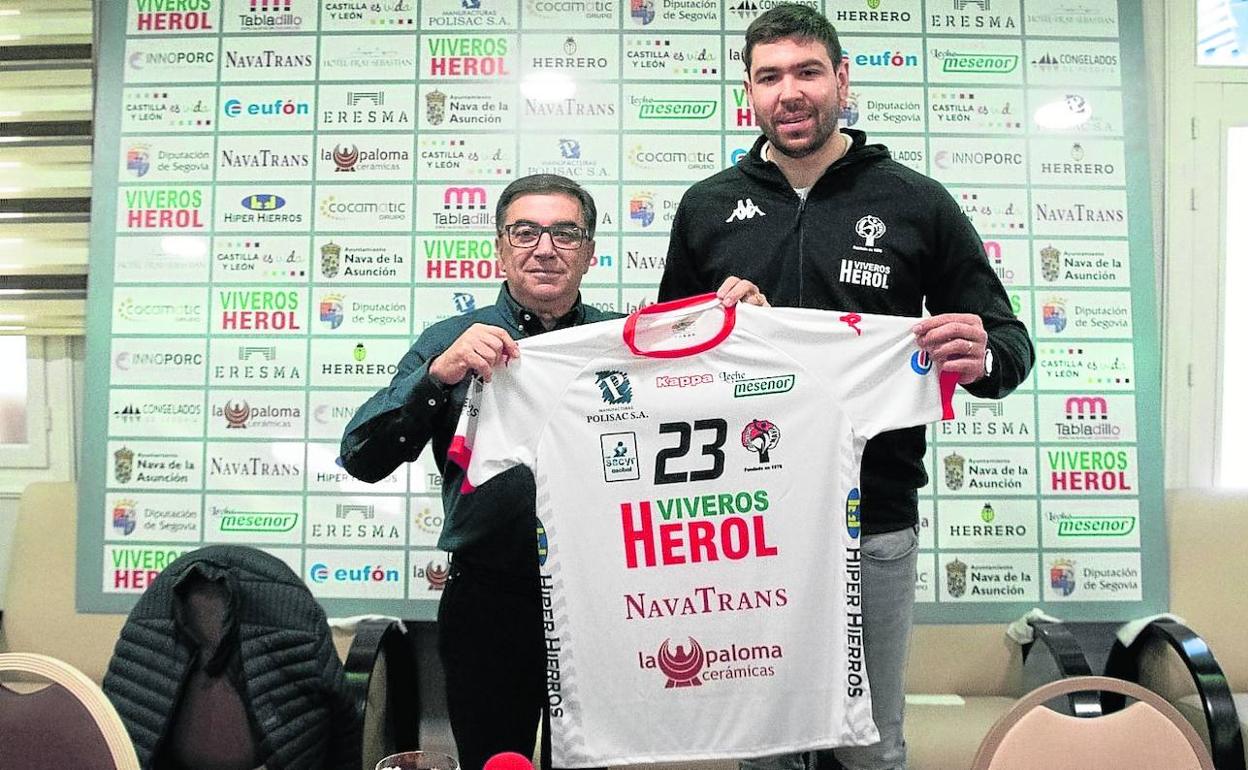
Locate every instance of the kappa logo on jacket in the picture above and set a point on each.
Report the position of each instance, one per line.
(745, 210)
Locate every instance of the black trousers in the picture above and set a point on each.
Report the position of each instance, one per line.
(492, 647)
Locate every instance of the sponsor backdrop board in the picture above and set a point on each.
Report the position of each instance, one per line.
(287, 192)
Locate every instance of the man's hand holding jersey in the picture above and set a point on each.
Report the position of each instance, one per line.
(478, 350)
(956, 342)
(734, 290)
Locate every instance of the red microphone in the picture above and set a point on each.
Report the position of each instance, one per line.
(508, 760)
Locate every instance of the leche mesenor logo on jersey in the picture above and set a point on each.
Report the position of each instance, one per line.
(689, 664)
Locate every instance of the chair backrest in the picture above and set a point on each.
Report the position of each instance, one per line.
(69, 723)
(1150, 734)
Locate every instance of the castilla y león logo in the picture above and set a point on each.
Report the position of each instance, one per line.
(682, 666)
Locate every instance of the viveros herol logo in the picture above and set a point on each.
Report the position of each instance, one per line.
(853, 522)
(921, 362)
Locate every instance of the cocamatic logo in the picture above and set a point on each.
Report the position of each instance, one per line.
(1062, 577)
(682, 666)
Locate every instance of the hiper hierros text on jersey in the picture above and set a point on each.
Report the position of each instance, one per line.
(697, 496)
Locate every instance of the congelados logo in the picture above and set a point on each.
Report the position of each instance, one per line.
(1095, 526)
(984, 63)
(676, 109)
(690, 665)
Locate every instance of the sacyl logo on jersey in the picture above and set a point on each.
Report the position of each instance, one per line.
(745, 210)
(978, 18)
(321, 572)
(619, 457)
(980, 63)
(285, 108)
(763, 386)
(689, 665)
(467, 56)
(270, 16)
(173, 15)
(173, 209)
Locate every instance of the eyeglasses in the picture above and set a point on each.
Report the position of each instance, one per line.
(525, 235)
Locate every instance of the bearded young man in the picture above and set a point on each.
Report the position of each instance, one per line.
(816, 217)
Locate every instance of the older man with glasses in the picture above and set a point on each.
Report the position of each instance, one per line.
(490, 633)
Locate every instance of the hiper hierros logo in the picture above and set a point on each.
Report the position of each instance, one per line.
(760, 436)
(870, 229)
(123, 465)
(123, 516)
(955, 471)
(615, 386)
(543, 544)
(955, 578)
(682, 666)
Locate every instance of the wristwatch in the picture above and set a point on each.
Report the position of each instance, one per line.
(987, 362)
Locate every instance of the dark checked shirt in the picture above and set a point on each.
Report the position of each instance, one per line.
(494, 527)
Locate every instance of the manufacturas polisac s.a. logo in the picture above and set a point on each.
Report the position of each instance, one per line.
(690, 664)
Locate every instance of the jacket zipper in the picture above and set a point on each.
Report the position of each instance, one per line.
(801, 250)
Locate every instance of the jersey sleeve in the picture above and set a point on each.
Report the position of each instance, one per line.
(500, 424)
(871, 365)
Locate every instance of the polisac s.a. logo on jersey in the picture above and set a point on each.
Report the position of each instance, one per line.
(692, 665)
(616, 391)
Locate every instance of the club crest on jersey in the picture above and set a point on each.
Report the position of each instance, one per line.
(870, 229)
(760, 436)
(615, 387)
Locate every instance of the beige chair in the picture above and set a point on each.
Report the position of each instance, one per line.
(1150, 734)
(69, 723)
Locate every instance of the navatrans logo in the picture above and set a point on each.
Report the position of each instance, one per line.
(691, 665)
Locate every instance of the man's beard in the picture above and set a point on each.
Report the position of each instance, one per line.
(824, 130)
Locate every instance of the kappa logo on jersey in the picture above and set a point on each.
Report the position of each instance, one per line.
(851, 320)
(745, 210)
(615, 387)
(760, 436)
(870, 229)
(682, 666)
(619, 457)
(683, 380)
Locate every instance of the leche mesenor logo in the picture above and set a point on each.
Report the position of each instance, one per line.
(692, 665)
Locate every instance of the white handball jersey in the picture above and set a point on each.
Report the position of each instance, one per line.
(697, 493)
